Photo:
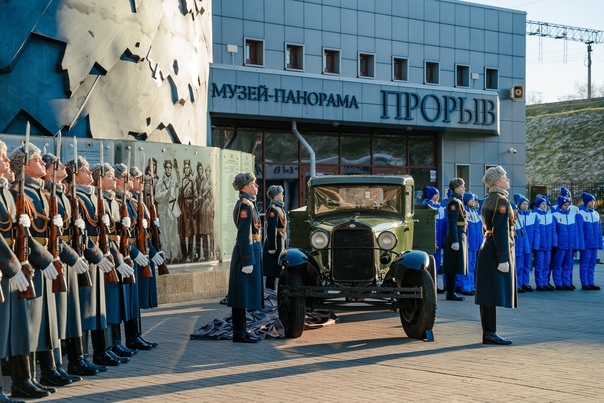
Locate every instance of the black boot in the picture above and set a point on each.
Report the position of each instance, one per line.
(99, 345)
(32, 367)
(59, 363)
(5, 366)
(488, 319)
(451, 295)
(21, 376)
(75, 356)
(140, 332)
(50, 376)
(3, 397)
(240, 334)
(117, 347)
(133, 336)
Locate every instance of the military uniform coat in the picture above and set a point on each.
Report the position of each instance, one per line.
(42, 310)
(13, 311)
(69, 321)
(276, 235)
(494, 288)
(246, 290)
(147, 287)
(456, 262)
(117, 297)
(92, 299)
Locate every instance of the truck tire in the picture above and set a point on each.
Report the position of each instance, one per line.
(419, 314)
(292, 312)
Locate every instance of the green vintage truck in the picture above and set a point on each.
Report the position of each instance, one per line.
(353, 248)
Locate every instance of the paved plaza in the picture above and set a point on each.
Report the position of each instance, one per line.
(557, 356)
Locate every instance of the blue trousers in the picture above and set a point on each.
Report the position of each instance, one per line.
(542, 260)
(468, 281)
(563, 267)
(523, 269)
(587, 266)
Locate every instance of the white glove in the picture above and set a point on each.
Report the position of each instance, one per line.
(58, 220)
(141, 259)
(20, 281)
(455, 246)
(157, 259)
(80, 224)
(24, 221)
(272, 252)
(247, 269)
(145, 223)
(503, 267)
(105, 265)
(80, 266)
(126, 222)
(125, 270)
(156, 222)
(106, 220)
(50, 272)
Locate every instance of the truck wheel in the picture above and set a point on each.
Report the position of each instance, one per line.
(292, 312)
(419, 314)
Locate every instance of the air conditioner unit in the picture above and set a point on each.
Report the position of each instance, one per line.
(518, 92)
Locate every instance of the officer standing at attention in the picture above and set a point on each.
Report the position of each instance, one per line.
(456, 244)
(276, 235)
(495, 266)
(245, 281)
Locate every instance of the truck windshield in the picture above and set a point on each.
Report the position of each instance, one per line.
(333, 198)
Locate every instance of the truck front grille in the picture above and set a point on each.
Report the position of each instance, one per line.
(353, 254)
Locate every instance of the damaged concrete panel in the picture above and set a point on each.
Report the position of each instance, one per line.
(116, 69)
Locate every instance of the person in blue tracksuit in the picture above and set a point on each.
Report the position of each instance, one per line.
(432, 200)
(527, 236)
(474, 241)
(547, 240)
(590, 229)
(568, 240)
(245, 280)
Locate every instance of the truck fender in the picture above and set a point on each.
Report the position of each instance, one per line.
(411, 260)
(302, 262)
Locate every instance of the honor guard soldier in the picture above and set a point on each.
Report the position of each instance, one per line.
(13, 311)
(26, 162)
(276, 235)
(495, 266)
(456, 246)
(68, 303)
(92, 299)
(245, 281)
(116, 295)
(147, 285)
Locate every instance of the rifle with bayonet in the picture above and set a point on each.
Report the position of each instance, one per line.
(125, 233)
(59, 284)
(84, 279)
(110, 277)
(141, 238)
(22, 235)
(155, 232)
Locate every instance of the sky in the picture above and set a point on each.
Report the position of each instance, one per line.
(551, 71)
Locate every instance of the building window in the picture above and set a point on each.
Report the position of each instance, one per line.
(432, 73)
(294, 57)
(331, 61)
(400, 69)
(254, 52)
(366, 65)
(462, 76)
(491, 79)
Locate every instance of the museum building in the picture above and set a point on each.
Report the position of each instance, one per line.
(430, 88)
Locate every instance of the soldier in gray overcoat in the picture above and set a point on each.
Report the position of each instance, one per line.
(495, 266)
(245, 280)
(41, 310)
(68, 303)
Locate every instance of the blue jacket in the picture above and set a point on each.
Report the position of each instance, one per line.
(528, 235)
(547, 230)
(567, 231)
(589, 228)
(474, 229)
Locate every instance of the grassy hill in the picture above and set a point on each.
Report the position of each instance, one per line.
(564, 142)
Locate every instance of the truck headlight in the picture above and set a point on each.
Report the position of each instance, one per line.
(387, 240)
(319, 239)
